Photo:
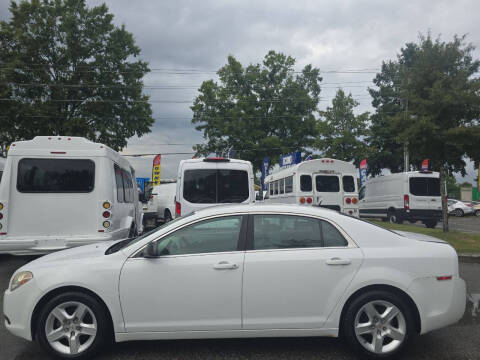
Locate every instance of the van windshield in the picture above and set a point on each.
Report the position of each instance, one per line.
(424, 186)
(211, 186)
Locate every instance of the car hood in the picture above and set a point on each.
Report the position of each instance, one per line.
(81, 252)
(420, 237)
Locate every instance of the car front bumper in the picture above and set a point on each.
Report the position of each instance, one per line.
(18, 306)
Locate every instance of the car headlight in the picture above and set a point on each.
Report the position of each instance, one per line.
(20, 278)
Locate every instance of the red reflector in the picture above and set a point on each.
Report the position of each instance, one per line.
(106, 214)
(57, 152)
(3, 233)
(178, 208)
(101, 230)
(447, 277)
(309, 200)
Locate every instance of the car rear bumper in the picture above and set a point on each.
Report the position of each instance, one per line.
(440, 303)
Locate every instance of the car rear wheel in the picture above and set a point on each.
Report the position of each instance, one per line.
(72, 326)
(378, 324)
(458, 212)
(394, 218)
(167, 217)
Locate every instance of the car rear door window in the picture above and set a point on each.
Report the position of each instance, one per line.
(55, 175)
(331, 236)
(285, 231)
(215, 235)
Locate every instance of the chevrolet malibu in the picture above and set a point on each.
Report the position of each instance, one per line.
(241, 271)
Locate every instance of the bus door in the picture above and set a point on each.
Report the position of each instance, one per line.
(327, 192)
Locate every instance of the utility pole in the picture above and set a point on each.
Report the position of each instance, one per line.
(405, 145)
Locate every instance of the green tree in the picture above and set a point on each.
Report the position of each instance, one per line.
(65, 69)
(342, 133)
(258, 110)
(453, 189)
(436, 81)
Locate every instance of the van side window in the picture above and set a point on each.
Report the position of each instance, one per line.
(55, 175)
(361, 193)
(119, 182)
(348, 183)
(305, 183)
(288, 184)
(127, 186)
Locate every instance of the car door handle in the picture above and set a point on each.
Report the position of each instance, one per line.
(225, 265)
(338, 261)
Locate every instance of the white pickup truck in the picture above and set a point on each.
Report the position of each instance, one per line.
(160, 207)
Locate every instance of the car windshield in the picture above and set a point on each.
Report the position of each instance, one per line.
(127, 242)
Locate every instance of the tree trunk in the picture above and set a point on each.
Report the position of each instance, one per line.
(444, 199)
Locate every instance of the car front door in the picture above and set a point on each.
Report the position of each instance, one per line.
(295, 271)
(193, 284)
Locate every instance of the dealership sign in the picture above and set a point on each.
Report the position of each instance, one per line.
(290, 159)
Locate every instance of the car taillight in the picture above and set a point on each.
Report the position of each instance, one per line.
(107, 205)
(106, 224)
(444, 277)
(309, 200)
(106, 214)
(1, 216)
(406, 202)
(469, 205)
(354, 200)
(348, 200)
(302, 200)
(1, 206)
(178, 208)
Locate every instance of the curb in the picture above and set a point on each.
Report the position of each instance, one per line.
(469, 258)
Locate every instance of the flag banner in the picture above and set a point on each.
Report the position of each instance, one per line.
(425, 165)
(290, 159)
(309, 157)
(265, 171)
(363, 172)
(156, 170)
(478, 177)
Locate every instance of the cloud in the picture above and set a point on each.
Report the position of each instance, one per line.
(331, 35)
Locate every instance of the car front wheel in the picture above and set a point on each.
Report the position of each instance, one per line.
(458, 212)
(378, 324)
(72, 326)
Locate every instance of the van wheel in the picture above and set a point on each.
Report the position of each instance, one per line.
(73, 325)
(167, 217)
(430, 223)
(378, 324)
(394, 218)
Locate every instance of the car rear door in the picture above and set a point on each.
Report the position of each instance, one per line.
(327, 191)
(296, 269)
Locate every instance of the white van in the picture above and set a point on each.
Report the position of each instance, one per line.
(59, 192)
(160, 207)
(403, 196)
(2, 165)
(208, 181)
(326, 182)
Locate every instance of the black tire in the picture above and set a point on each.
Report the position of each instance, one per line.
(348, 323)
(430, 223)
(103, 335)
(133, 231)
(394, 218)
(385, 219)
(477, 212)
(458, 212)
(167, 217)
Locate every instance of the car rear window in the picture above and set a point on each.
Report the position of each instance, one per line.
(210, 186)
(55, 175)
(424, 186)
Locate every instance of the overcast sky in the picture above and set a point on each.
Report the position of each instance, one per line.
(330, 35)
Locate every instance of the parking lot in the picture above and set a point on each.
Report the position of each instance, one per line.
(468, 224)
(460, 341)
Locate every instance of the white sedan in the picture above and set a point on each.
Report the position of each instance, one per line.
(241, 271)
(459, 208)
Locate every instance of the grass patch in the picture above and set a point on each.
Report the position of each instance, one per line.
(462, 242)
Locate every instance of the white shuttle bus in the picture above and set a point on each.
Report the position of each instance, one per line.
(327, 183)
(207, 182)
(59, 192)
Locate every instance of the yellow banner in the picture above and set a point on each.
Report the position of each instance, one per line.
(156, 170)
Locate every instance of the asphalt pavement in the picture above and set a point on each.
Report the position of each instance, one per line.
(459, 341)
(468, 224)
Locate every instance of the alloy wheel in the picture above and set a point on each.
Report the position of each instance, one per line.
(459, 212)
(71, 328)
(380, 327)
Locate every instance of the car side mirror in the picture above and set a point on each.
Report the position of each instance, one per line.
(150, 251)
